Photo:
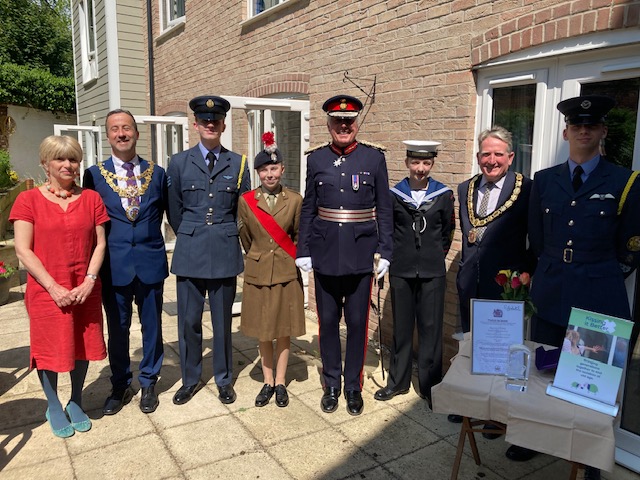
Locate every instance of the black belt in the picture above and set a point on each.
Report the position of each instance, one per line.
(569, 255)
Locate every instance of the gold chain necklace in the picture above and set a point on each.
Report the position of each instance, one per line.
(481, 222)
(130, 191)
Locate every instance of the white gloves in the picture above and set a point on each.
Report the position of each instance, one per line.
(382, 268)
(304, 264)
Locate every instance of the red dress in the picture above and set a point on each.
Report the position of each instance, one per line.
(64, 242)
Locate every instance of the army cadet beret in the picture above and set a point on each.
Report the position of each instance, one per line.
(421, 148)
(209, 107)
(586, 109)
(343, 106)
(270, 154)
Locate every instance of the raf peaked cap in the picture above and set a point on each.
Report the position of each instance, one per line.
(343, 106)
(586, 109)
(421, 148)
(265, 157)
(209, 107)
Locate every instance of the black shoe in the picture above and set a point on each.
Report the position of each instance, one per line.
(520, 454)
(354, 402)
(265, 395)
(226, 394)
(149, 400)
(387, 393)
(591, 473)
(118, 399)
(491, 436)
(453, 418)
(282, 397)
(184, 394)
(329, 401)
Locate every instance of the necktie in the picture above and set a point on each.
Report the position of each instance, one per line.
(211, 157)
(131, 182)
(577, 178)
(271, 200)
(484, 206)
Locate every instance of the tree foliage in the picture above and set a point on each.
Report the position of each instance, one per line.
(33, 87)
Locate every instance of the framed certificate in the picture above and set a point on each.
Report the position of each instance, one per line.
(495, 326)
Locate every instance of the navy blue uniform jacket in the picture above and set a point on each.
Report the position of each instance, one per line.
(360, 182)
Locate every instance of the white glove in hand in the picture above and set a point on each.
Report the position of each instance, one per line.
(304, 264)
(382, 268)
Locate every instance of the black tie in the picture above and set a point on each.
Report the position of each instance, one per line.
(577, 178)
(211, 157)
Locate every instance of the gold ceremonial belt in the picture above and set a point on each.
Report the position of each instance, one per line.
(346, 216)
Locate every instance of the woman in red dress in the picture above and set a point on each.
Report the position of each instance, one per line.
(60, 240)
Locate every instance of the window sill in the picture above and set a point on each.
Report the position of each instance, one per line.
(172, 29)
(267, 13)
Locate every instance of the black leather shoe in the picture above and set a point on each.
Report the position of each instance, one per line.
(118, 399)
(387, 393)
(591, 473)
(453, 418)
(282, 397)
(149, 400)
(329, 401)
(184, 394)
(265, 395)
(226, 394)
(491, 436)
(520, 454)
(354, 402)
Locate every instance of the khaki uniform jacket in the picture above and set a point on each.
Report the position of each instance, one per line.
(266, 262)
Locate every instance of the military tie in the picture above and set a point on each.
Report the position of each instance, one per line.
(271, 200)
(211, 157)
(484, 206)
(577, 178)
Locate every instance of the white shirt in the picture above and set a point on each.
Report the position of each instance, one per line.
(122, 172)
(494, 194)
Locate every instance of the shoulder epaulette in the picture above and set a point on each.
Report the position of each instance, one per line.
(382, 148)
(317, 147)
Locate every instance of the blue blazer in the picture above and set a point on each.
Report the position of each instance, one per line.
(203, 209)
(134, 248)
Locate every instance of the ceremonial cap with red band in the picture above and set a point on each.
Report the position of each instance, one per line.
(342, 106)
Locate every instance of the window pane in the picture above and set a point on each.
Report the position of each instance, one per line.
(621, 120)
(287, 126)
(514, 109)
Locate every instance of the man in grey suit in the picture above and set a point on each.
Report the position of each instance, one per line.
(205, 183)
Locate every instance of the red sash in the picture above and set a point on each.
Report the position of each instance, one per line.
(270, 225)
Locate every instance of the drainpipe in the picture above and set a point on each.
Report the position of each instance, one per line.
(152, 86)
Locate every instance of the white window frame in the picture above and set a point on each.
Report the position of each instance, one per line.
(252, 16)
(87, 37)
(167, 23)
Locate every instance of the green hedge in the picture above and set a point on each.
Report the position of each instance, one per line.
(36, 88)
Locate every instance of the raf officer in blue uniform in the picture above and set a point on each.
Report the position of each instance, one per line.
(135, 194)
(346, 219)
(204, 185)
(575, 227)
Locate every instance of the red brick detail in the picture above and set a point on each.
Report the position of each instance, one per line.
(557, 22)
(280, 83)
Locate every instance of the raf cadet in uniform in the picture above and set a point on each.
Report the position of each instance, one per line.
(576, 221)
(346, 219)
(205, 183)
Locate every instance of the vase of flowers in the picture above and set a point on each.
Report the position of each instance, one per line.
(6, 271)
(515, 286)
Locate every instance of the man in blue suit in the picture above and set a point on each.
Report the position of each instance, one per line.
(205, 183)
(135, 194)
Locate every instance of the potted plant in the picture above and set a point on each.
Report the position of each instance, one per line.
(6, 271)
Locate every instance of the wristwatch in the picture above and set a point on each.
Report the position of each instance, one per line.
(92, 276)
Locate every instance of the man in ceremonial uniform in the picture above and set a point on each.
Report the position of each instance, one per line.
(578, 222)
(346, 219)
(135, 194)
(204, 185)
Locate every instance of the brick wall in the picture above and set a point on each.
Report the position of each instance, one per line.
(420, 52)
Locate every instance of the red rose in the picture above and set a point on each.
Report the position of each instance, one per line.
(525, 278)
(501, 279)
(515, 282)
